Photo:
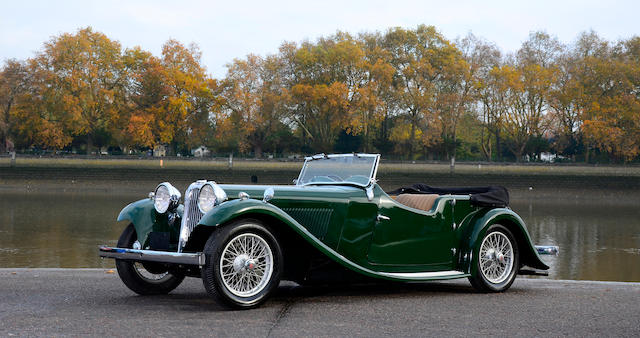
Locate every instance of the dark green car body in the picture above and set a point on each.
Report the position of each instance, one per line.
(371, 235)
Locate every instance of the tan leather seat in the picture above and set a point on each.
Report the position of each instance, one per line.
(418, 201)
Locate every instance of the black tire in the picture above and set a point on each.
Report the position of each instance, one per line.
(134, 274)
(256, 270)
(499, 271)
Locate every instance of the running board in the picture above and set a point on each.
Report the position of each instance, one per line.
(153, 256)
(425, 275)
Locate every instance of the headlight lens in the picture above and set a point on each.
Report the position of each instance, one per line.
(210, 196)
(207, 198)
(166, 197)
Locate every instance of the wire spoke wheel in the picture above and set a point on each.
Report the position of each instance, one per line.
(145, 278)
(246, 265)
(149, 276)
(496, 257)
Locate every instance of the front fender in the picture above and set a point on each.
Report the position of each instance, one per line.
(230, 210)
(508, 218)
(142, 214)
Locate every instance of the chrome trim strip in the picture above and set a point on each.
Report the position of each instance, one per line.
(152, 256)
(423, 275)
(547, 249)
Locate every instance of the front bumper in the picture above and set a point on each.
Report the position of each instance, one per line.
(152, 256)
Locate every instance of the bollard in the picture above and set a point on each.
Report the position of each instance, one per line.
(230, 160)
(161, 163)
(13, 159)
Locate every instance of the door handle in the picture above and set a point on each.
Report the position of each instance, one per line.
(382, 217)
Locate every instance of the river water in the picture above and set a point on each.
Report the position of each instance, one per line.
(597, 240)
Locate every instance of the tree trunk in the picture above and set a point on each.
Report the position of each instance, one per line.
(257, 151)
(89, 144)
(411, 140)
(3, 142)
(586, 154)
(498, 148)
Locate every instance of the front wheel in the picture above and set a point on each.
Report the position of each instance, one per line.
(144, 278)
(243, 264)
(497, 261)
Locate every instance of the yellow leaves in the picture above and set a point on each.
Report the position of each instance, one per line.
(139, 130)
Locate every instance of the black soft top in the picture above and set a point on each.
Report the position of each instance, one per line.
(491, 196)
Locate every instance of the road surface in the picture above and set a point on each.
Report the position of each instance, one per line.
(54, 302)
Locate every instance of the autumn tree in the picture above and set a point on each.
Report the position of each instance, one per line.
(144, 122)
(320, 110)
(611, 121)
(420, 58)
(187, 81)
(255, 98)
(85, 72)
(490, 96)
(528, 79)
(14, 79)
(40, 119)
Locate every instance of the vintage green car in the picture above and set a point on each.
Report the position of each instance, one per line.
(334, 223)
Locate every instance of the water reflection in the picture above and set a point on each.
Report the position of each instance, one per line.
(598, 241)
(57, 230)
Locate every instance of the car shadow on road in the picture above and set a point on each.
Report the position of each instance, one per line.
(191, 299)
(373, 289)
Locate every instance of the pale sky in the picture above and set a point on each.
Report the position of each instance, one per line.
(225, 30)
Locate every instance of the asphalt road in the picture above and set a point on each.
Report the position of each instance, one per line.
(55, 302)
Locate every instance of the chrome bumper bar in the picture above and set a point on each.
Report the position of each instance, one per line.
(547, 249)
(153, 256)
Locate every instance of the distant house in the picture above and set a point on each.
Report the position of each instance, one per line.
(201, 151)
(160, 150)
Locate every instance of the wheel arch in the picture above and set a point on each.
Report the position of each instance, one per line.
(142, 215)
(510, 220)
(294, 242)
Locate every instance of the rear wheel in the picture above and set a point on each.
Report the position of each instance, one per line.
(497, 260)
(144, 278)
(243, 264)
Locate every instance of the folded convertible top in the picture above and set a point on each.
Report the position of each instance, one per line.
(491, 196)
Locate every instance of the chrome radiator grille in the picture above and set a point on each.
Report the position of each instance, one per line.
(192, 213)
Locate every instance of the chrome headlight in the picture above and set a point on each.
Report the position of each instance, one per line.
(167, 197)
(210, 195)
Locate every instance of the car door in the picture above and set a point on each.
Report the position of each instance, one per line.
(404, 236)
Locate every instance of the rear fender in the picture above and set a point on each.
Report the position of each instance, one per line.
(509, 219)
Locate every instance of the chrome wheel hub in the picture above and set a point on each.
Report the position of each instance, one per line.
(239, 263)
(496, 257)
(246, 265)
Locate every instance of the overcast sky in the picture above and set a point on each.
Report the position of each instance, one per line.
(232, 29)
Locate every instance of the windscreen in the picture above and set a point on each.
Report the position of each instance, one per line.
(354, 169)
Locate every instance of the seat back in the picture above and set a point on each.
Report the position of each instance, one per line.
(418, 201)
